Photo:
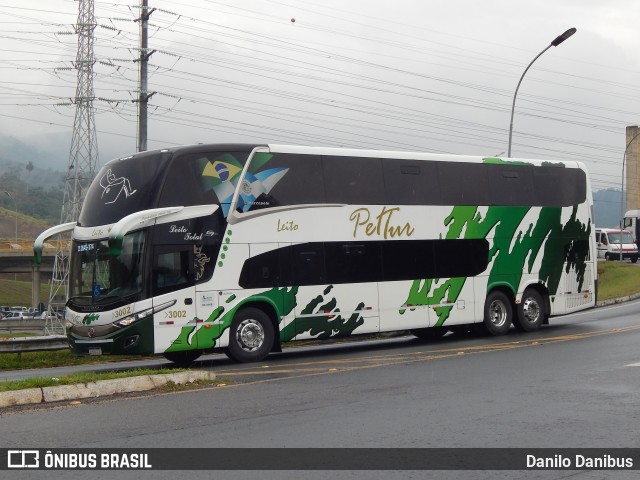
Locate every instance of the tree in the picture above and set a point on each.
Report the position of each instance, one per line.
(29, 168)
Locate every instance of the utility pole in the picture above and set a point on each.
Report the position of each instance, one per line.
(144, 96)
(83, 158)
(632, 155)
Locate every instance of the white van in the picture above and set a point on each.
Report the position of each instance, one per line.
(609, 240)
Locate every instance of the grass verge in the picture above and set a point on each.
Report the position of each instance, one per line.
(82, 377)
(18, 292)
(57, 358)
(617, 279)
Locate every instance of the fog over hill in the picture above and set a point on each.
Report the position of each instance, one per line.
(44, 151)
(51, 150)
(607, 207)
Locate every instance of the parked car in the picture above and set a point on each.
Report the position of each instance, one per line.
(17, 315)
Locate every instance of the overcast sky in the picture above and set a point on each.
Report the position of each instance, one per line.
(427, 75)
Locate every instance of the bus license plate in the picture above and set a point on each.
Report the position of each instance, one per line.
(95, 351)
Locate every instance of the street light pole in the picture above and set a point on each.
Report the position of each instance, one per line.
(557, 41)
(15, 207)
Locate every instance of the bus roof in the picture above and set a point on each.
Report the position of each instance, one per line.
(353, 152)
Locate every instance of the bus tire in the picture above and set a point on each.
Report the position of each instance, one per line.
(530, 311)
(432, 333)
(251, 336)
(634, 259)
(183, 358)
(497, 313)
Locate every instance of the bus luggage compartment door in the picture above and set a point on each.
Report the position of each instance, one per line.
(334, 299)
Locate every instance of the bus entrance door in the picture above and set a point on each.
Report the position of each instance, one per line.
(173, 284)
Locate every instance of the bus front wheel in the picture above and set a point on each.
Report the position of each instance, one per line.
(497, 313)
(251, 336)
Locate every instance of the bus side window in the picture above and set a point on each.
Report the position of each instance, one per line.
(282, 179)
(171, 271)
(354, 180)
(510, 185)
(308, 264)
(467, 183)
(353, 262)
(411, 182)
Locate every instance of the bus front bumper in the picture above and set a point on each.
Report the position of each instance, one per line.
(136, 339)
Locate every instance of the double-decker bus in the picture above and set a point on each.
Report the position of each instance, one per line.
(245, 247)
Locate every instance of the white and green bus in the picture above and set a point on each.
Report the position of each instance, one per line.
(245, 247)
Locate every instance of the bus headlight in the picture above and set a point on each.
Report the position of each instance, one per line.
(141, 315)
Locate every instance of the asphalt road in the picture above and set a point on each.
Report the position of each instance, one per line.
(573, 384)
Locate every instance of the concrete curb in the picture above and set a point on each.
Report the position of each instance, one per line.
(100, 388)
(613, 301)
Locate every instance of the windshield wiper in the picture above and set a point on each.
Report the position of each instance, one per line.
(112, 295)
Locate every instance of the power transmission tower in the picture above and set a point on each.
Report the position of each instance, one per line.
(83, 157)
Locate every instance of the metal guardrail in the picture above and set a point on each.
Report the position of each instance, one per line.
(33, 344)
(27, 325)
(25, 246)
(29, 344)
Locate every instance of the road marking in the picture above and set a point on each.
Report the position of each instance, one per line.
(319, 367)
(633, 365)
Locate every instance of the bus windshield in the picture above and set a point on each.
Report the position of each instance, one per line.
(95, 275)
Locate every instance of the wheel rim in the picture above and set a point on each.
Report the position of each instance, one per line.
(497, 313)
(250, 335)
(531, 310)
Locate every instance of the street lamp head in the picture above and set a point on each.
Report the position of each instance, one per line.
(557, 41)
(561, 38)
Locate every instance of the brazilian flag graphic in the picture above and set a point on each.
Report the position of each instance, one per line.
(223, 174)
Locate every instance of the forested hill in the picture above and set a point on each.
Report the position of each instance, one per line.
(34, 192)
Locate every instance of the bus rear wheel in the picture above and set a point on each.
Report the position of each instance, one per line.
(530, 311)
(251, 336)
(497, 313)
